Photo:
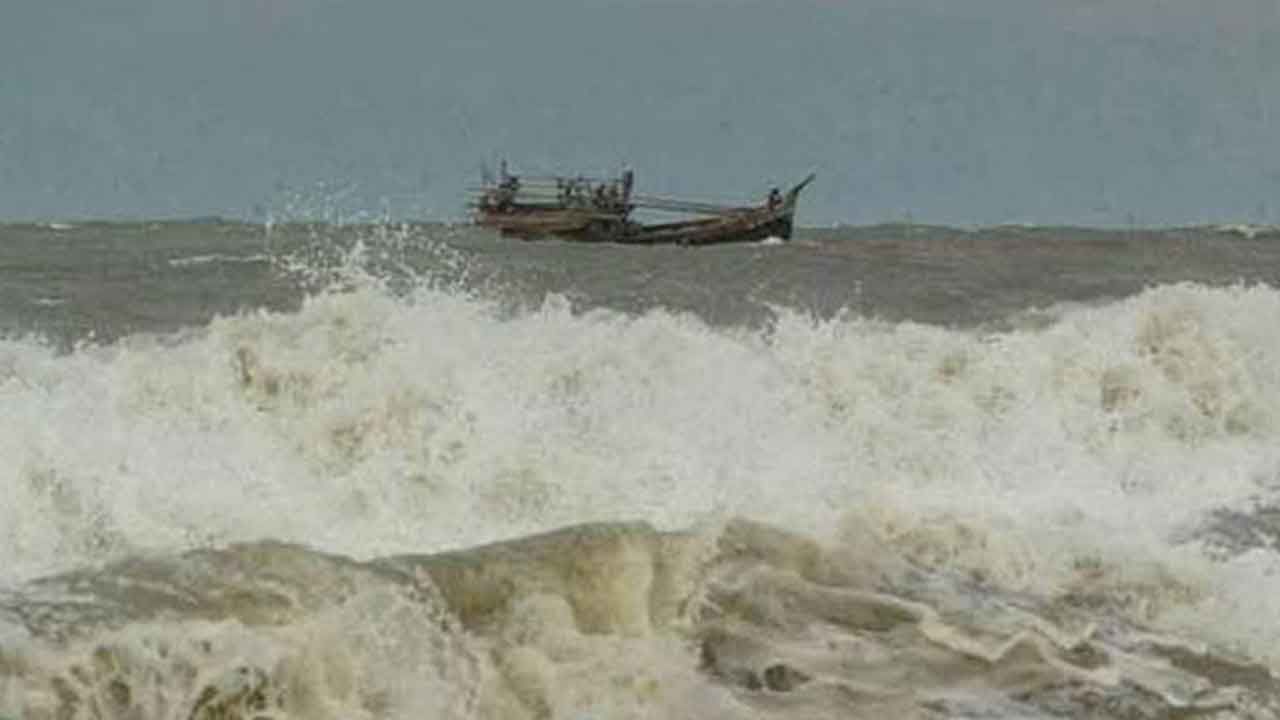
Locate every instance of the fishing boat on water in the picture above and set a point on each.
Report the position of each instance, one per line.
(599, 210)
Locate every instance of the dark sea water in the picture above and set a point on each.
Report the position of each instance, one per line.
(419, 471)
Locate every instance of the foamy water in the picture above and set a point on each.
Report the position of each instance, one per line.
(196, 260)
(942, 473)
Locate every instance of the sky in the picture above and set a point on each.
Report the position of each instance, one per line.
(974, 112)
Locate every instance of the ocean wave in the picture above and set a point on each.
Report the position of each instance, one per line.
(1247, 230)
(613, 620)
(194, 260)
(370, 423)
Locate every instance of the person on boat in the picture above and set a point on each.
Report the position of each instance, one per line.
(505, 193)
(775, 199)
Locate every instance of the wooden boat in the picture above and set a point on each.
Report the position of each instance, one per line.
(599, 210)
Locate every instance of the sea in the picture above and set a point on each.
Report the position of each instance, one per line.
(349, 470)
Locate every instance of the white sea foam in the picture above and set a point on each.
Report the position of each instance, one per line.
(370, 424)
(218, 258)
(1247, 230)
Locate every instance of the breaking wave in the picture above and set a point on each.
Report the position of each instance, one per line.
(1031, 509)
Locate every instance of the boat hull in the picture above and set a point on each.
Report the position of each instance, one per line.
(742, 225)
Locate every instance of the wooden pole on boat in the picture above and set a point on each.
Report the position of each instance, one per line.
(675, 205)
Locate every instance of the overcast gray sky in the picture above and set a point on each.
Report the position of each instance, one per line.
(966, 112)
